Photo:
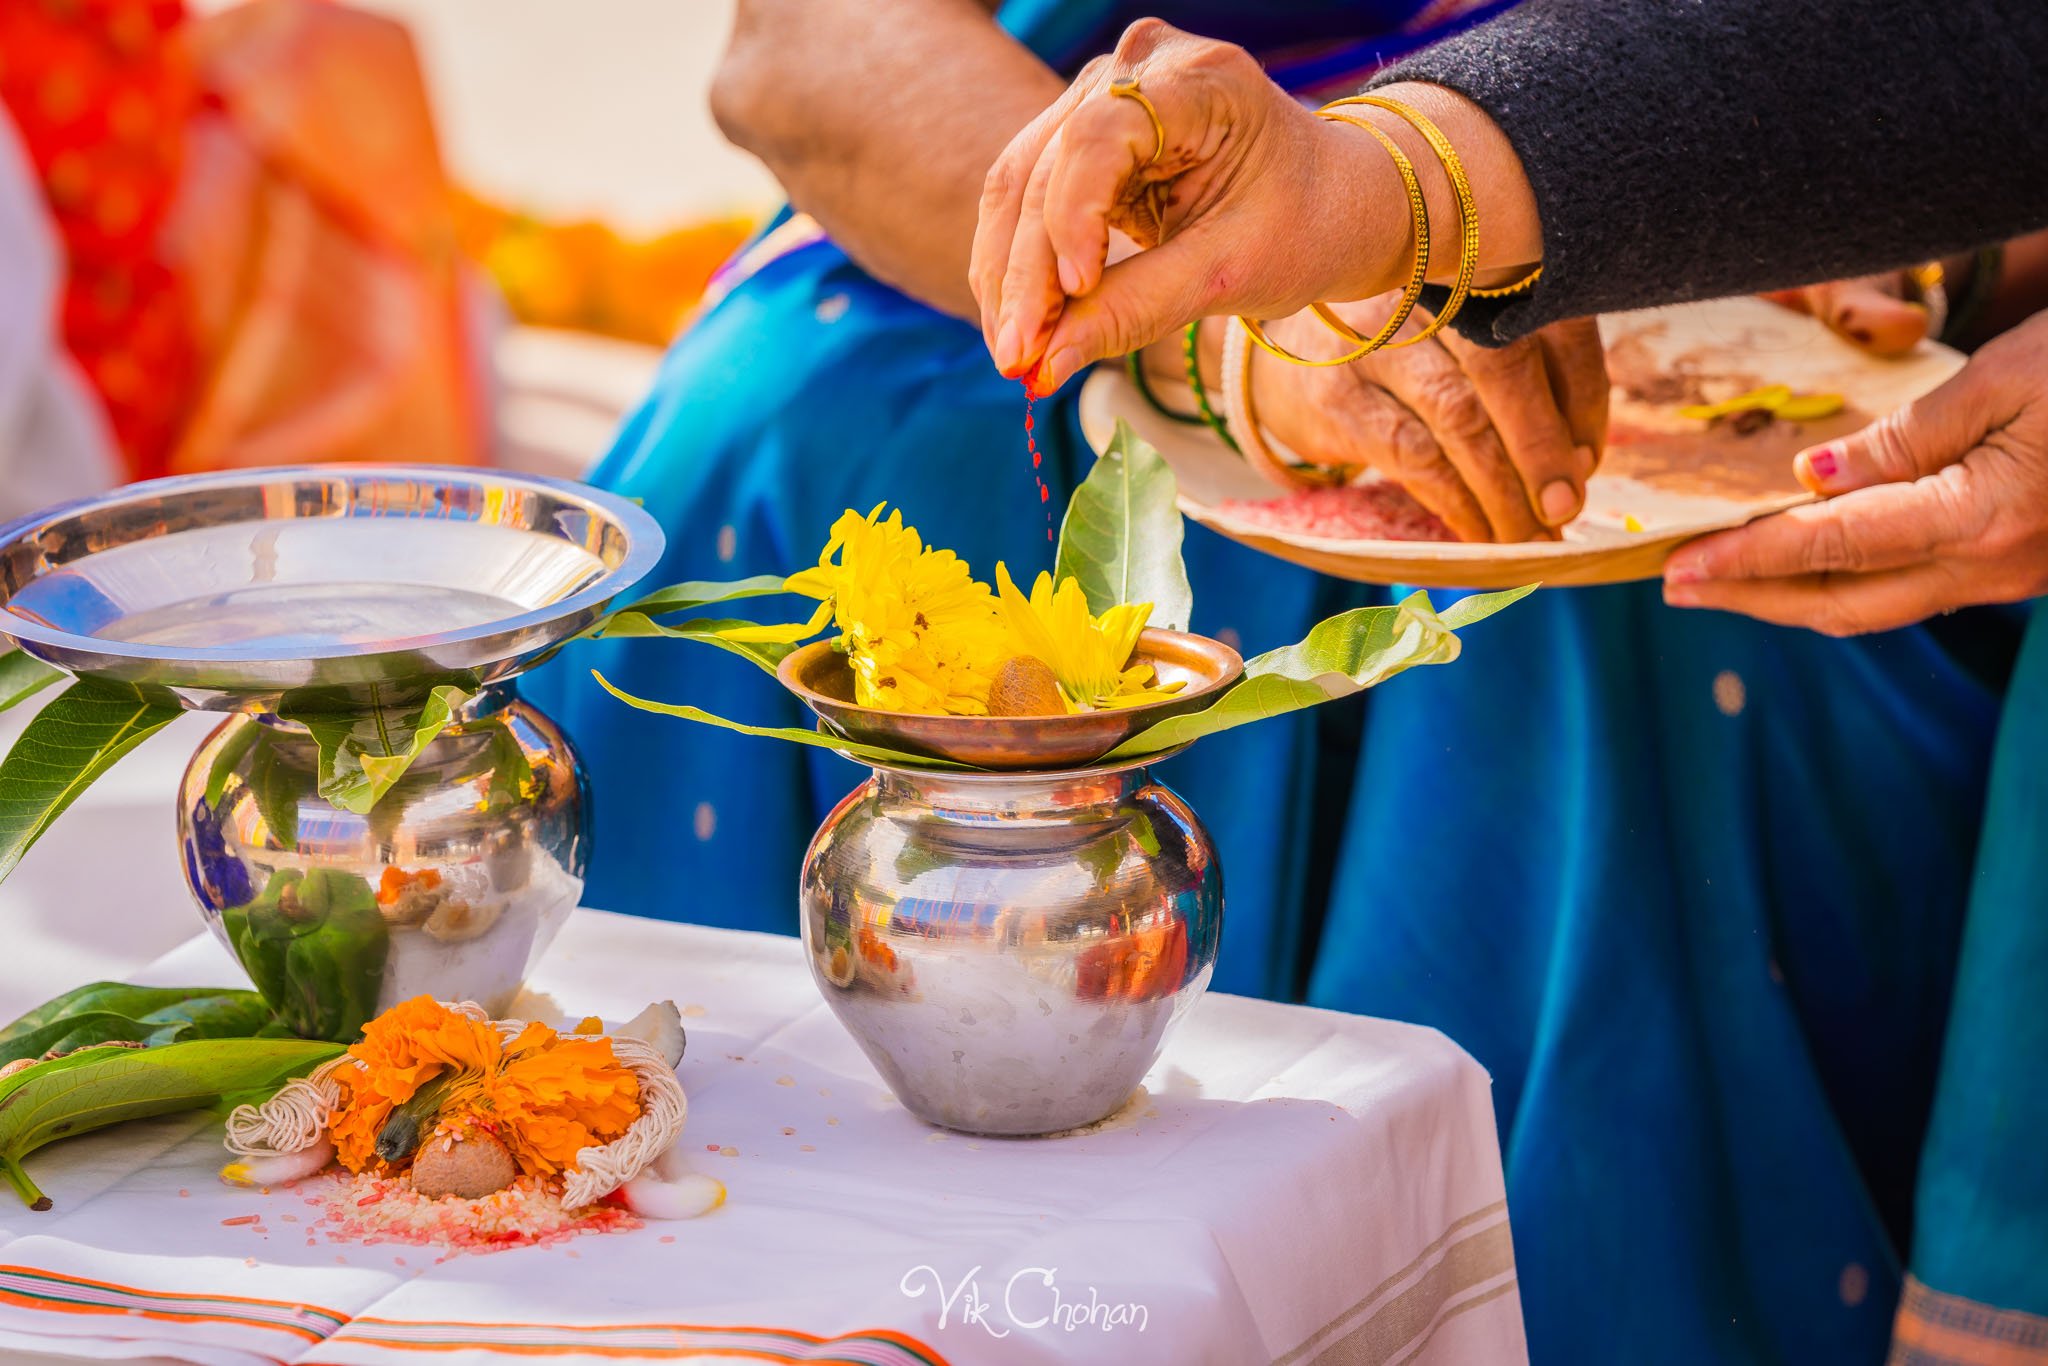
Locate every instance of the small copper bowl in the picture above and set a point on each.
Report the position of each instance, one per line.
(819, 676)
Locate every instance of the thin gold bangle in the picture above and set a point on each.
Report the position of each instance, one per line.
(1468, 217)
(1242, 418)
(1419, 214)
(1526, 282)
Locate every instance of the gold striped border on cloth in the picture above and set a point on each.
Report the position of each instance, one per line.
(1937, 1329)
(1472, 1264)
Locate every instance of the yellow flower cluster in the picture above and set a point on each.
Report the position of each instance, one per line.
(923, 635)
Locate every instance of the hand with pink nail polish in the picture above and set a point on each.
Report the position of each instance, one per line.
(1941, 505)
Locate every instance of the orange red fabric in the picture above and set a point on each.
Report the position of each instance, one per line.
(261, 249)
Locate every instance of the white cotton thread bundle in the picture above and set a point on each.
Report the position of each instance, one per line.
(292, 1120)
(297, 1117)
(663, 1109)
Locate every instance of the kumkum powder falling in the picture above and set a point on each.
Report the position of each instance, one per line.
(1037, 457)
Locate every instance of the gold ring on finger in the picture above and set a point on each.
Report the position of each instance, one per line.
(1128, 90)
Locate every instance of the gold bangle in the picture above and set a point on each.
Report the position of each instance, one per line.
(1241, 418)
(1526, 282)
(1419, 214)
(1468, 215)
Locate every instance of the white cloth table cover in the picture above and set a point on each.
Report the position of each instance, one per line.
(1291, 1186)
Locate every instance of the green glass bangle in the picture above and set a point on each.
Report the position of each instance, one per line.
(1191, 349)
(1135, 368)
(1966, 313)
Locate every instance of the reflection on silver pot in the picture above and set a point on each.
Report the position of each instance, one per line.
(1010, 948)
(452, 885)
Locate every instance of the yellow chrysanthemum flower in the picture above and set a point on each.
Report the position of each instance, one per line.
(920, 633)
(1089, 655)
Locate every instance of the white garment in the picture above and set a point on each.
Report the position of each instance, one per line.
(55, 443)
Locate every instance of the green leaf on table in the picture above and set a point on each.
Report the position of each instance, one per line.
(1122, 534)
(22, 677)
(84, 731)
(710, 631)
(364, 752)
(853, 749)
(1346, 654)
(123, 999)
(98, 1087)
(224, 1015)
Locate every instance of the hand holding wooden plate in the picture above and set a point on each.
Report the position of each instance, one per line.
(1678, 477)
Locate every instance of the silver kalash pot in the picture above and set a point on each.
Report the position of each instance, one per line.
(1011, 947)
(451, 886)
(348, 594)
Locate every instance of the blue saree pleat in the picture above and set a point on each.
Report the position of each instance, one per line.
(1979, 1238)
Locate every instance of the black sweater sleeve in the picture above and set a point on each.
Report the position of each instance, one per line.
(1688, 149)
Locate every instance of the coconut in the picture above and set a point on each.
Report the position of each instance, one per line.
(470, 1165)
(1025, 685)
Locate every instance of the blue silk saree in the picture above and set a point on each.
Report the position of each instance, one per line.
(1748, 925)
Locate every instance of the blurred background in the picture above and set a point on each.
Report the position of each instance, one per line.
(285, 231)
(535, 187)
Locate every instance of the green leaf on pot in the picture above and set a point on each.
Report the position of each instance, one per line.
(1479, 606)
(1122, 534)
(853, 749)
(22, 677)
(224, 763)
(364, 752)
(90, 1090)
(65, 747)
(682, 597)
(279, 785)
(710, 631)
(1346, 654)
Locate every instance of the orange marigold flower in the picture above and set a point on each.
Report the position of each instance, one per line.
(544, 1095)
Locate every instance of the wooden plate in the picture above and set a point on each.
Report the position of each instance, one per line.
(1678, 477)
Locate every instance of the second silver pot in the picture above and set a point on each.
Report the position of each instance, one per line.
(1010, 949)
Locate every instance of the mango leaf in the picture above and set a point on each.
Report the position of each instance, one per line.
(701, 593)
(1479, 606)
(90, 1090)
(279, 786)
(765, 654)
(229, 1015)
(64, 748)
(231, 754)
(853, 749)
(119, 997)
(22, 677)
(1122, 533)
(1346, 654)
(362, 753)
